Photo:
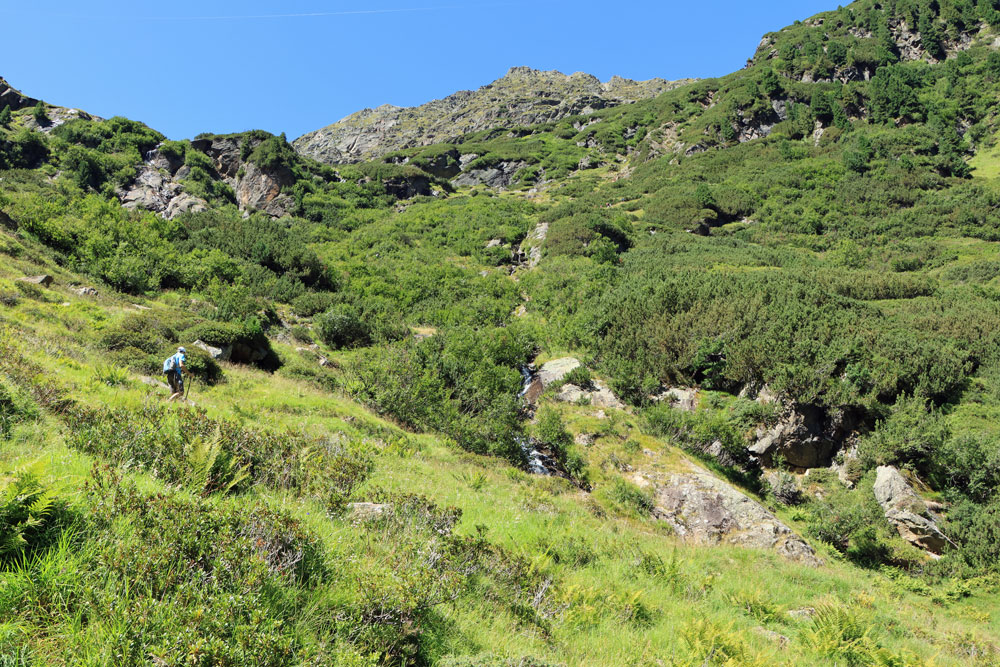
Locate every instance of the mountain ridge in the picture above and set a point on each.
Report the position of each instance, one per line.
(523, 96)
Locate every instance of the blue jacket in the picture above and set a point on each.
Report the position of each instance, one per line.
(174, 363)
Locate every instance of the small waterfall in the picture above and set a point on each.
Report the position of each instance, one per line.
(536, 460)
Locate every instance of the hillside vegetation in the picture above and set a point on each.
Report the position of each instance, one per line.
(801, 254)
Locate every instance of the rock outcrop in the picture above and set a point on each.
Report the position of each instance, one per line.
(498, 176)
(522, 97)
(703, 509)
(13, 98)
(804, 437)
(906, 512)
(554, 371)
(681, 398)
(157, 187)
(598, 395)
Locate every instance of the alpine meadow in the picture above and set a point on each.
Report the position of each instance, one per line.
(554, 372)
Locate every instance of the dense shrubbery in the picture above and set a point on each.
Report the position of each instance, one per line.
(463, 383)
(211, 455)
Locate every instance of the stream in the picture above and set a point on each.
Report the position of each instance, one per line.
(538, 463)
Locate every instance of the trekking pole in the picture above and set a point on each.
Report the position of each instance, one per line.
(187, 389)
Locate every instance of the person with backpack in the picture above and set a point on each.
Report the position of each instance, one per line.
(173, 368)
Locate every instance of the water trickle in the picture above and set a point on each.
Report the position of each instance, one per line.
(536, 460)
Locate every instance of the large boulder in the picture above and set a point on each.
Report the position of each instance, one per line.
(682, 398)
(805, 437)
(703, 509)
(906, 512)
(554, 371)
(599, 396)
(217, 353)
(44, 281)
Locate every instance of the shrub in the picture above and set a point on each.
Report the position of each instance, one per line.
(631, 497)
(302, 334)
(141, 331)
(342, 326)
(202, 365)
(38, 113)
(312, 303)
(912, 434)
(551, 433)
(579, 376)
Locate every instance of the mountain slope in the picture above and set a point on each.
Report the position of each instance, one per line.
(522, 97)
(712, 378)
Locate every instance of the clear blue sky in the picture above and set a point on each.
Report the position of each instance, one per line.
(186, 67)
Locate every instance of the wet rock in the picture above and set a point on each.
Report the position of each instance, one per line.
(904, 510)
(703, 509)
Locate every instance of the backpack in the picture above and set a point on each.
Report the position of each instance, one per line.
(170, 364)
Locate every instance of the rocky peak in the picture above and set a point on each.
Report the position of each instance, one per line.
(523, 96)
(14, 98)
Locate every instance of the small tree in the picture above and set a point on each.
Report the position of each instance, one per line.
(5, 116)
(39, 112)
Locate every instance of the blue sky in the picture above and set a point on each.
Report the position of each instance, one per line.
(186, 67)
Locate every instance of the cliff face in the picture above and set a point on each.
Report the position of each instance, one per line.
(522, 97)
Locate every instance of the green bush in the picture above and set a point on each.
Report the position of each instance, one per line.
(551, 433)
(342, 327)
(631, 497)
(201, 365)
(140, 331)
(311, 303)
(580, 376)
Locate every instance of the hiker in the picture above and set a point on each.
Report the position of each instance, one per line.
(172, 367)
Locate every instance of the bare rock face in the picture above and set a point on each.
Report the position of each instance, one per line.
(217, 353)
(157, 188)
(703, 509)
(522, 97)
(498, 177)
(805, 437)
(904, 510)
(257, 190)
(363, 512)
(13, 98)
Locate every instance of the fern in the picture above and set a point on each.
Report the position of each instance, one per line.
(26, 508)
(213, 469)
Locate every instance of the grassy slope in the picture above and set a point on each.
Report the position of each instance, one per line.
(620, 589)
